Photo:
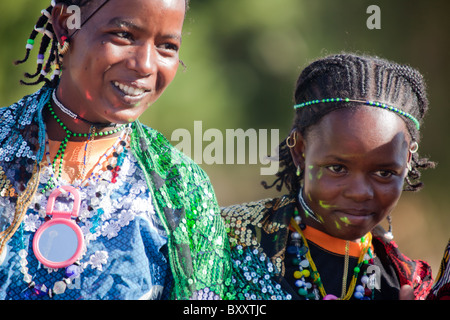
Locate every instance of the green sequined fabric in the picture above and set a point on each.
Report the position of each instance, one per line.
(199, 251)
(198, 245)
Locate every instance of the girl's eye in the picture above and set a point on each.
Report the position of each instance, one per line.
(124, 35)
(384, 173)
(170, 47)
(336, 168)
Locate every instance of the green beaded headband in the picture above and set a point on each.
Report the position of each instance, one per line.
(366, 102)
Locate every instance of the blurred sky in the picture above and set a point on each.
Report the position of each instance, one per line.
(243, 58)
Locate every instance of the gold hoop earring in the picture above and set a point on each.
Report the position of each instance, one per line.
(65, 46)
(291, 145)
(414, 147)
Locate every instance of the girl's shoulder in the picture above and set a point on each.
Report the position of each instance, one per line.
(416, 273)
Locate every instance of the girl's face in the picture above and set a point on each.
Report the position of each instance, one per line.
(355, 163)
(122, 59)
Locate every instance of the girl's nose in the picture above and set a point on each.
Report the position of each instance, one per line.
(144, 60)
(359, 189)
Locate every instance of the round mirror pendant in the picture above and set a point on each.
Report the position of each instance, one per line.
(58, 243)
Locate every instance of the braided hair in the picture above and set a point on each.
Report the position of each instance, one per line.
(355, 77)
(49, 39)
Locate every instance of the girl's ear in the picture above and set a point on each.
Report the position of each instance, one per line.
(60, 15)
(297, 146)
(412, 149)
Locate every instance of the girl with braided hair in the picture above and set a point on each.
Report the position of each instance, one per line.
(353, 148)
(95, 205)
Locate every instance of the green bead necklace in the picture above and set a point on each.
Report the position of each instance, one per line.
(62, 147)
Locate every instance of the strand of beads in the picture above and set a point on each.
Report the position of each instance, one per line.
(69, 134)
(114, 158)
(309, 282)
(365, 291)
(72, 273)
(306, 282)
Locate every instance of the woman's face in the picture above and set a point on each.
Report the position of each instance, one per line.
(122, 59)
(355, 163)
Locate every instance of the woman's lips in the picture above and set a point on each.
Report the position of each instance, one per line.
(354, 217)
(130, 94)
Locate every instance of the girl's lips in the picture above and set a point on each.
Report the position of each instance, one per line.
(354, 217)
(129, 90)
(131, 95)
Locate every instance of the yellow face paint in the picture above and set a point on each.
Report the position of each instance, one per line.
(319, 174)
(338, 226)
(324, 205)
(345, 220)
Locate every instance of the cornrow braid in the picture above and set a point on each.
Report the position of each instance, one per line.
(359, 78)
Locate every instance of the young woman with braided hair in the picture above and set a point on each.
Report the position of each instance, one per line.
(353, 148)
(95, 205)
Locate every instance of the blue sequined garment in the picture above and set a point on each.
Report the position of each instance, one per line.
(156, 233)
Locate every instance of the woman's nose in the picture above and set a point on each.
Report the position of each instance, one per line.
(359, 189)
(144, 60)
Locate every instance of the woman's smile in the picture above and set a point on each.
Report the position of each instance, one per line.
(122, 60)
(130, 94)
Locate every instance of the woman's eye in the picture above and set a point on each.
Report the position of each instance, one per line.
(384, 173)
(170, 47)
(124, 35)
(336, 168)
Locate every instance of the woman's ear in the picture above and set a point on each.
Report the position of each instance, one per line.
(296, 144)
(59, 18)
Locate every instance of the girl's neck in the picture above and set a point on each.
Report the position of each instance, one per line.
(310, 222)
(56, 132)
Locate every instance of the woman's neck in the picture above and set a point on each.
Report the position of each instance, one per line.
(56, 132)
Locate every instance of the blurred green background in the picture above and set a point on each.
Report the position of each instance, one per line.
(243, 58)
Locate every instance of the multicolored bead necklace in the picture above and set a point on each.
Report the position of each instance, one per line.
(62, 148)
(114, 157)
(309, 282)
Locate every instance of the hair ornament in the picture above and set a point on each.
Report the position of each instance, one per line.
(30, 44)
(366, 102)
(47, 14)
(44, 31)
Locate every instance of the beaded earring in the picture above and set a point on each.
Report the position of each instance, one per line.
(389, 235)
(299, 171)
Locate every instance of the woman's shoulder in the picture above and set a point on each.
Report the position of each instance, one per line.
(416, 273)
(21, 112)
(170, 160)
(258, 206)
(259, 224)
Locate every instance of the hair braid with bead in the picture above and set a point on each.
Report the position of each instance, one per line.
(355, 77)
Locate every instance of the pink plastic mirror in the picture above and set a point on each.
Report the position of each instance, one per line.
(59, 242)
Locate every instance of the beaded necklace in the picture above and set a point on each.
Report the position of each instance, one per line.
(112, 160)
(301, 248)
(62, 148)
(76, 116)
(308, 269)
(114, 156)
